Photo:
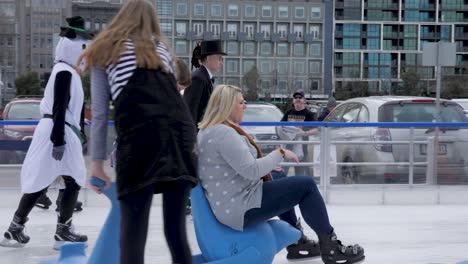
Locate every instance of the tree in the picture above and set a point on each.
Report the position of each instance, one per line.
(28, 84)
(410, 80)
(251, 82)
(453, 86)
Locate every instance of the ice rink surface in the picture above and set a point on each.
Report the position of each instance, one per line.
(412, 234)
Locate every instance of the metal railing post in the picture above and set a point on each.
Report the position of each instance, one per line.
(324, 162)
(411, 157)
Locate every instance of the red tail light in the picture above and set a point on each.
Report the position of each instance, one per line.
(382, 134)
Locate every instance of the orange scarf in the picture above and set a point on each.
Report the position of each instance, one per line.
(241, 132)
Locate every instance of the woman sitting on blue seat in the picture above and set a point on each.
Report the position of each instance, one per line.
(236, 179)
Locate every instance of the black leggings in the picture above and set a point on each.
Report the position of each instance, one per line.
(135, 210)
(70, 195)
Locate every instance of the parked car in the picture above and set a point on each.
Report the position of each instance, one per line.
(23, 108)
(262, 112)
(463, 102)
(317, 106)
(453, 142)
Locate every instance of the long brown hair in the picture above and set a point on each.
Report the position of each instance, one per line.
(137, 20)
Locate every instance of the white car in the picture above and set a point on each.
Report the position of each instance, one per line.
(262, 112)
(463, 102)
(453, 142)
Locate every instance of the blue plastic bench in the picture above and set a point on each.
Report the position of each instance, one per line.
(220, 244)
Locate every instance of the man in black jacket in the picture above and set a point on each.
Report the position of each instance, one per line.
(208, 58)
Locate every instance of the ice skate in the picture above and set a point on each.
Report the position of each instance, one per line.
(305, 248)
(43, 202)
(334, 252)
(15, 236)
(65, 234)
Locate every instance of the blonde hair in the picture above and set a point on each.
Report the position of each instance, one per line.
(220, 106)
(137, 20)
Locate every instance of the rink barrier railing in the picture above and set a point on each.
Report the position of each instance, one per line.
(325, 142)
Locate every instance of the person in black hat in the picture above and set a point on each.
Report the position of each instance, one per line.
(208, 58)
(56, 151)
(75, 29)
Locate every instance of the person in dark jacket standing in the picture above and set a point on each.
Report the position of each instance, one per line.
(208, 58)
(331, 104)
(131, 63)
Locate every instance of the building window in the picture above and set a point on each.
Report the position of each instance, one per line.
(315, 50)
(282, 29)
(233, 10)
(198, 28)
(267, 11)
(282, 67)
(232, 66)
(299, 31)
(199, 9)
(299, 49)
(314, 67)
(181, 47)
(283, 49)
(283, 11)
(88, 24)
(216, 10)
(181, 29)
(266, 48)
(233, 48)
(315, 31)
(249, 28)
(314, 85)
(97, 25)
(181, 9)
(232, 30)
(247, 65)
(249, 10)
(215, 28)
(249, 48)
(299, 67)
(166, 27)
(265, 29)
(265, 66)
(315, 13)
(299, 12)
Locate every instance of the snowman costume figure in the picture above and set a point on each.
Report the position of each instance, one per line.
(56, 152)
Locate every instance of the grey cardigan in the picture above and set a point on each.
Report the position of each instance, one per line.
(230, 173)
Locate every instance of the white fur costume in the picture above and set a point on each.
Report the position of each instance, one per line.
(39, 168)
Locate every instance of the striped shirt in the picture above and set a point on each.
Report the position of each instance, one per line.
(118, 74)
(107, 82)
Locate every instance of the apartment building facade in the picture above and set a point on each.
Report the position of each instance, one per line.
(377, 41)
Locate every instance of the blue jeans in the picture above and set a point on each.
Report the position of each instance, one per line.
(280, 196)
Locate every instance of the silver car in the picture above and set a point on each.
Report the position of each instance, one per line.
(262, 112)
(453, 142)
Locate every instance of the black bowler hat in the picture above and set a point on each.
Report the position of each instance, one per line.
(211, 47)
(75, 28)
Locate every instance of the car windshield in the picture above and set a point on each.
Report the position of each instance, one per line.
(21, 111)
(463, 104)
(262, 114)
(420, 112)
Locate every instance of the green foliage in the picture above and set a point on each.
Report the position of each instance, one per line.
(251, 80)
(454, 86)
(409, 86)
(28, 84)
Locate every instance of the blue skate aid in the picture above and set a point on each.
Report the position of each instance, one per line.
(106, 249)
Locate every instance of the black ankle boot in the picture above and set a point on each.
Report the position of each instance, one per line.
(304, 248)
(15, 236)
(333, 251)
(65, 233)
